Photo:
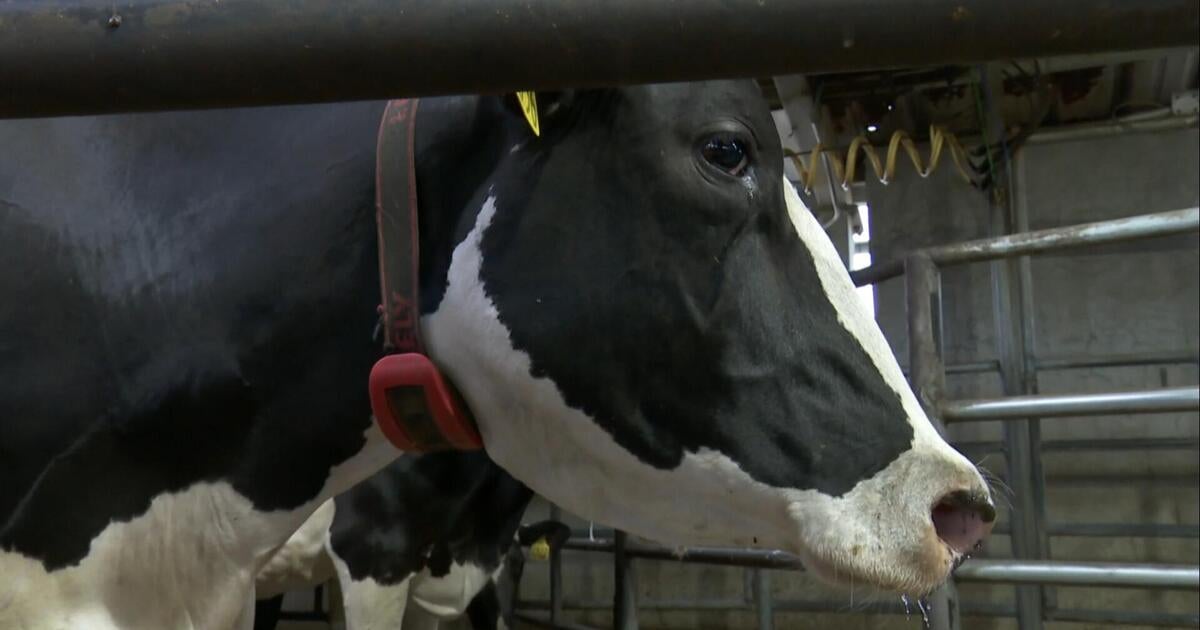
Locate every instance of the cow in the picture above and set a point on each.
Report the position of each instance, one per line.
(429, 538)
(648, 327)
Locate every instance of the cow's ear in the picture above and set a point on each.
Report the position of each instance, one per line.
(539, 109)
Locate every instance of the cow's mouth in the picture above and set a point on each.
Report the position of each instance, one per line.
(957, 525)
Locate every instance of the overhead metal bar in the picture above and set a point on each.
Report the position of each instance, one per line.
(99, 56)
(1049, 406)
(1039, 241)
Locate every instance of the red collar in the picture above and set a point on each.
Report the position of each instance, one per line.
(414, 405)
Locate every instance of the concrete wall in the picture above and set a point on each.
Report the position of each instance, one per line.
(1136, 297)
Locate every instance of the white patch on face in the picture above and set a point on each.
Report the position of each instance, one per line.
(852, 315)
(879, 532)
(188, 562)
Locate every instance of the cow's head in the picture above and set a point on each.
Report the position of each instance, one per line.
(654, 333)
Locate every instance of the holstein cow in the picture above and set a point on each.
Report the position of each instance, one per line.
(649, 329)
(426, 539)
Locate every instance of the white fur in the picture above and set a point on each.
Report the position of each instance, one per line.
(878, 532)
(188, 562)
(370, 605)
(433, 600)
(420, 601)
(301, 562)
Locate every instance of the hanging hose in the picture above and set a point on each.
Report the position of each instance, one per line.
(940, 140)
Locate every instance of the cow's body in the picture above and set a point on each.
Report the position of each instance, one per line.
(187, 303)
(187, 316)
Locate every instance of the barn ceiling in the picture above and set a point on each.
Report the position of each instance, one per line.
(1024, 93)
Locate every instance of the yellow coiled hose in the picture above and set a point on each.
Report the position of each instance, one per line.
(885, 170)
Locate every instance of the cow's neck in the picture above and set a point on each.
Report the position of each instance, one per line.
(460, 140)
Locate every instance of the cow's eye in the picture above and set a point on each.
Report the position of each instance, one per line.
(726, 153)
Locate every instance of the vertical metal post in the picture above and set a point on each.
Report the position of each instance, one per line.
(927, 373)
(624, 586)
(1029, 370)
(762, 599)
(928, 380)
(1018, 434)
(556, 607)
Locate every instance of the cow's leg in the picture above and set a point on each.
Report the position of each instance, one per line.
(417, 618)
(446, 598)
(248, 617)
(266, 612)
(187, 559)
(368, 604)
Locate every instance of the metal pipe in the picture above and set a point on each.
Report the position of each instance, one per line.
(929, 383)
(927, 372)
(762, 600)
(984, 447)
(1081, 574)
(625, 616)
(783, 605)
(1039, 241)
(556, 585)
(1112, 530)
(721, 556)
(1125, 617)
(1059, 405)
(542, 622)
(1131, 359)
(1124, 530)
(1158, 444)
(99, 56)
(976, 570)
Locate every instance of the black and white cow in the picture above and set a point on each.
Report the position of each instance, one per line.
(650, 330)
(419, 542)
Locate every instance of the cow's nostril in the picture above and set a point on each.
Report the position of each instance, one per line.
(962, 519)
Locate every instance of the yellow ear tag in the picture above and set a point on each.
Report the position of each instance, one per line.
(528, 102)
(540, 550)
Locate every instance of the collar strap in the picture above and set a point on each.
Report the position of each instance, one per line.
(415, 406)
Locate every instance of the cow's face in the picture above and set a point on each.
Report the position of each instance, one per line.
(655, 334)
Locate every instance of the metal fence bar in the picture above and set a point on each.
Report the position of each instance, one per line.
(929, 382)
(1115, 617)
(1126, 617)
(763, 604)
(96, 56)
(723, 556)
(625, 615)
(1127, 444)
(556, 585)
(543, 622)
(781, 605)
(1040, 241)
(1131, 359)
(1081, 574)
(977, 570)
(1124, 530)
(1049, 406)
(1055, 446)
(1112, 530)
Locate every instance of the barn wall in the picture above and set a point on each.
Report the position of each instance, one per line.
(1136, 297)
